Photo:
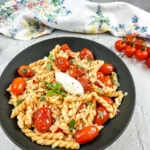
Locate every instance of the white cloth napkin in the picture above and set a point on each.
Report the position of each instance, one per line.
(27, 19)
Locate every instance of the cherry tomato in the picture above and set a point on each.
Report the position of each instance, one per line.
(86, 134)
(83, 105)
(18, 86)
(76, 72)
(59, 130)
(108, 81)
(25, 71)
(109, 100)
(102, 116)
(62, 63)
(130, 51)
(130, 38)
(86, 53)
(141, 55)
(100, 77)
(142, 44)
(43, 119)
(148, 62)
(85, 83)
(106, 69)
(65, 47)
(120, 45)
(148, 50)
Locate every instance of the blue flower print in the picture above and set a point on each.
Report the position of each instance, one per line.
(135, 19)
(98, 10)
(115, 28)
(57, 2)
(121, 26)
(137, 28)
(143, 29)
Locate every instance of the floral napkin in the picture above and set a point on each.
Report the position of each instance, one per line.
(27, 19)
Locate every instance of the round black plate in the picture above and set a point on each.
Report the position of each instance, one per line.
(113, 128)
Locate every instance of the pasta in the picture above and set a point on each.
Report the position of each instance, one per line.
(69, 112)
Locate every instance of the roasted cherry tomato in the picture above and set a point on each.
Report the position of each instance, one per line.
(129, 51)
(43, 119)
(102, 116)
(109, 100)
(108, 81)
(130, 38)
(148, 62)
(25, 71)
(85, 83)
(86, 134)
(120, 45)
(76, 72)
(140, 44)
(18, 85)
(86, 53)
(100, 77)
(141, 55)
(106, 69)
(148, 50)
(62, 63)
(65, 47)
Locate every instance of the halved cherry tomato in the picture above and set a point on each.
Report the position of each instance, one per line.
(65, 47)
(86, 134)
(108, 81)
(148, 62)
(43, 119)
(130, 38)
(120, 45)
(59, 130)
(76, 72)
(106, 69)
(142, 44)
(86, 53)
(129, 51)
(141, 55)
(102, 116)
(18, 85)
(109, 100)
(100, 77)
(85, 83)
(25, 71)
(62, 63)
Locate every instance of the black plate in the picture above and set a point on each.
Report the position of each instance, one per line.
(113, 128)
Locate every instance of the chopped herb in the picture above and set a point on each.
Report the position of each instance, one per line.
(116, 83)
(27, 79)
(24, 71)
(89, 59)
(121, 55)
(49, 66)
(50, 86)
(72, 60)
(71, 125)
(90, 103)
(80, 66)
(100, 91)
(49, 93)
(114, 76)
(42, 99)
(19, 101)
(100, 114)
(51, 57)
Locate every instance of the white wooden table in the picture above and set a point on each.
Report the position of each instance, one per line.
(137, 134)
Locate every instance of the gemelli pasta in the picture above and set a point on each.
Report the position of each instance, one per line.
(65, 94)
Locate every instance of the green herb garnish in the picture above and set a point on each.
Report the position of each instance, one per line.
(80, 66)
(89, 59)
(100, 114)
(19, 101)
(116, 83)
(51, 57)
(71, 125)
(100, 90)
(49, 66)
(42, 99)
(90, 103)
(72, 60)
(24, 71)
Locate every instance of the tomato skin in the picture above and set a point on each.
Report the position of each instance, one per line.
(108, 81)
(129, 51)
(43, 119)
(86, 53)
(148, 63)
(130, 38)
(100, 120)
(109, 100)
(120, 45)
(62, 63)
(100, 77)
(86, 134)
(141, 55)
(65, 47)
(59, 130)
(141, 42)
(25, 71)
(106, 69)
(18, 86)
(87, 85)
(148, 50)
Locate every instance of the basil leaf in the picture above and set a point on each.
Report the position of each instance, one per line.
(24, 71)
(71, 125)
(90, 103)
(49, 66)
(57, 87)
(89, 59)
(42, 99)
(72, 60)
(51, 57)
(63, 94)
(100, 114)
(49, 93)
(50, 86)
(19, 101)
(100, 90)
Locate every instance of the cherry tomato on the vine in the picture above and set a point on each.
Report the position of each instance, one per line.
(86, 134)
(25, 71)
(141, 55)
(18, 86)
(106, 69)
(130, 38)
(148, 50)
(140, 44)
(129, 51)
(86, 53)
(108, 81)
(120, 45)
(148, 62)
